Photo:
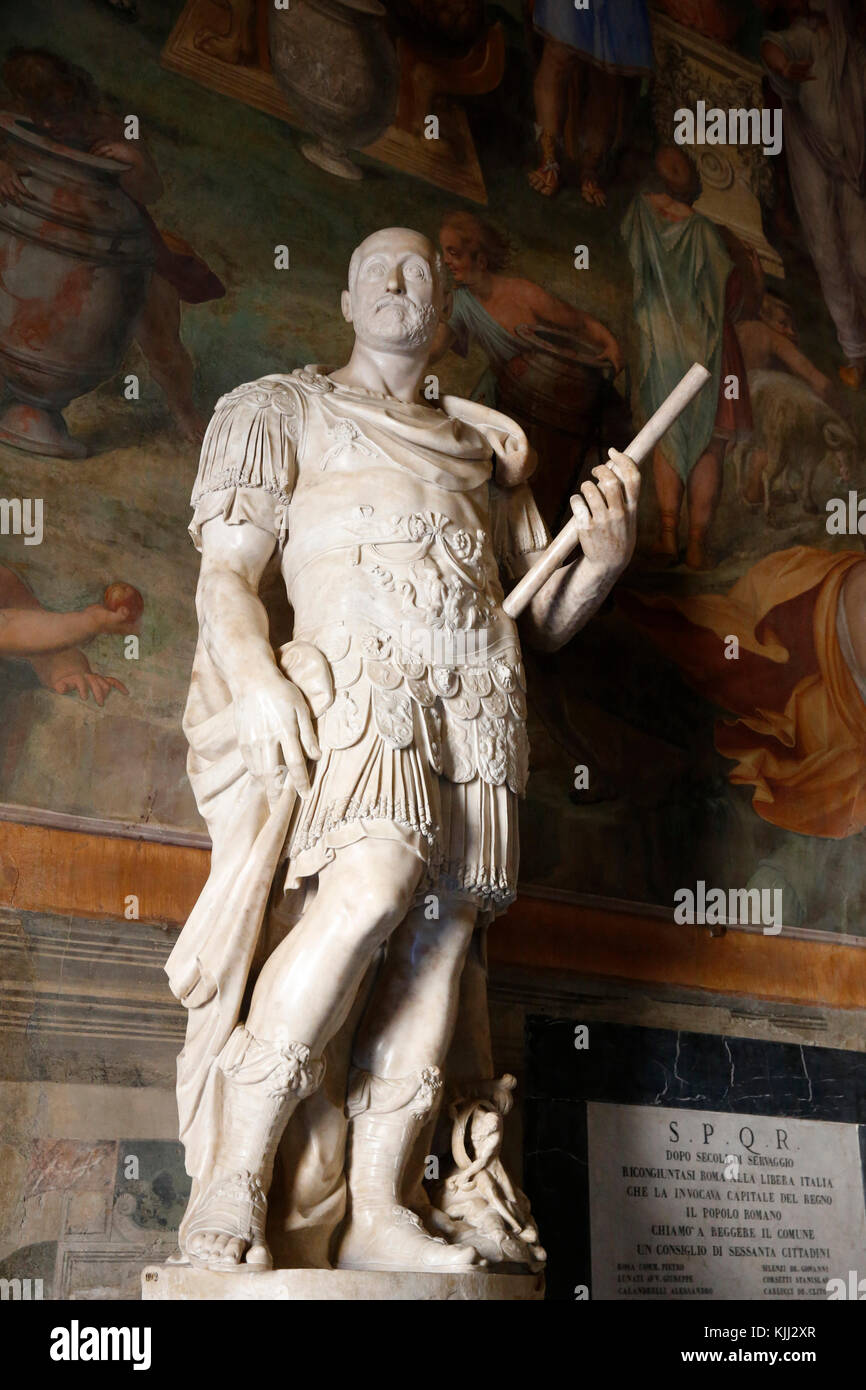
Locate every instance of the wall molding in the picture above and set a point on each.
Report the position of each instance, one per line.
(47, 869)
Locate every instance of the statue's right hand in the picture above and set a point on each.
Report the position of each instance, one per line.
(276, 734)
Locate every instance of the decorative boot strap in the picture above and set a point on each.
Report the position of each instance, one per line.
(381, 1095)
(282, 1071)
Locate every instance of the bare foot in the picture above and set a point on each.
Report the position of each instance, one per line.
(665, 546)
(592, 192)
(546, 178)
(697, 556)
(853, 375)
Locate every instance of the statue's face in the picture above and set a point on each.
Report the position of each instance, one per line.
(394, 297)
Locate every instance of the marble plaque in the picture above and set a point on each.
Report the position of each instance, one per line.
(705, 1204)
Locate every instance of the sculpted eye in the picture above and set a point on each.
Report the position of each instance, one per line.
(416, 270)
(376, 269)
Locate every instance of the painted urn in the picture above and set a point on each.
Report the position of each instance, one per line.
(75, 263)
(337, 64)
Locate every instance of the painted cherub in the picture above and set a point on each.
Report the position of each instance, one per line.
(51, 642)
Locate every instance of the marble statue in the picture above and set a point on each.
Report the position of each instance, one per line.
(360, 783)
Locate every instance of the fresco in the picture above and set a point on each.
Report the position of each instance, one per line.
(181, 185)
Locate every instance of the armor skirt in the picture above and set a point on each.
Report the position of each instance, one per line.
(465, 832)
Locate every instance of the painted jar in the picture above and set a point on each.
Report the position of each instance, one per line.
(337, 64)
(75, 263)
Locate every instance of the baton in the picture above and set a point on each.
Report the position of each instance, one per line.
(643, 444)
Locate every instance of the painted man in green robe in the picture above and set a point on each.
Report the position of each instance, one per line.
(692, 280)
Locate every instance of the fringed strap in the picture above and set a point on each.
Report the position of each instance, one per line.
(252, 440)
(516, 524)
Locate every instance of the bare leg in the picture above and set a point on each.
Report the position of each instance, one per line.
(401, 1045)
(158, 336)
(301, 999)
(704, 486)
(599, 130)
(550, 92)
(410, 1019)
(669, 491)
(757, 464)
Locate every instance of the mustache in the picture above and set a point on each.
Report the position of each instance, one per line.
(418, 319)
(398, 301)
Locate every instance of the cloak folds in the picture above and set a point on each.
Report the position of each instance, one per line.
(798, 735)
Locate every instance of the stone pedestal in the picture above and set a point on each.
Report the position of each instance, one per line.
(169, 1282)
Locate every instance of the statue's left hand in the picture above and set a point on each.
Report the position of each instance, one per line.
(606, 512)
(307, 668)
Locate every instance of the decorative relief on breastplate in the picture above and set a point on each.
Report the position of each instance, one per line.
(447, 580)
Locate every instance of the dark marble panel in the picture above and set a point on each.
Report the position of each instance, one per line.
(629, 1065)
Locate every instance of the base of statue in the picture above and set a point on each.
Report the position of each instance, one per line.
(167, 1282)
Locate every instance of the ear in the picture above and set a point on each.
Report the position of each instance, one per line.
(346, 305)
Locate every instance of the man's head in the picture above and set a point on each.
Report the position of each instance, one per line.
(471, 247)
(678, 174)
(396, 294)
(42, 84)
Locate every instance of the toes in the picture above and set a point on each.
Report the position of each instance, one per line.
(259, 1257)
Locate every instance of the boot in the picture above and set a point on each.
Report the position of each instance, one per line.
(382, 1234)
(260, 1083)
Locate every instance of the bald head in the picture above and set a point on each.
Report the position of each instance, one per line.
(395, 290)
(388, 239)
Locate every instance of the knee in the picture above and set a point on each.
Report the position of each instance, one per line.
(447, 938)
(374, 900)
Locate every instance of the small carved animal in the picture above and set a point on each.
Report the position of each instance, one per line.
(799, 432)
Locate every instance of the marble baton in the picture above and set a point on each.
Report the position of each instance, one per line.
(642, 445)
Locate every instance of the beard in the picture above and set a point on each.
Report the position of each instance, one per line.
(395, 319)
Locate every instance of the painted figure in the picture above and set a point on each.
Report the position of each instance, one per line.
(557, 399)
(598, 51)
(817, 66)
(688, 293)
(51, 642)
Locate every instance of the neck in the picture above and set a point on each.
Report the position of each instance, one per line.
(396, 374)
(480, 285)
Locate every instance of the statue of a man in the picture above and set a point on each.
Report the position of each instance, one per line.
(371, 767)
